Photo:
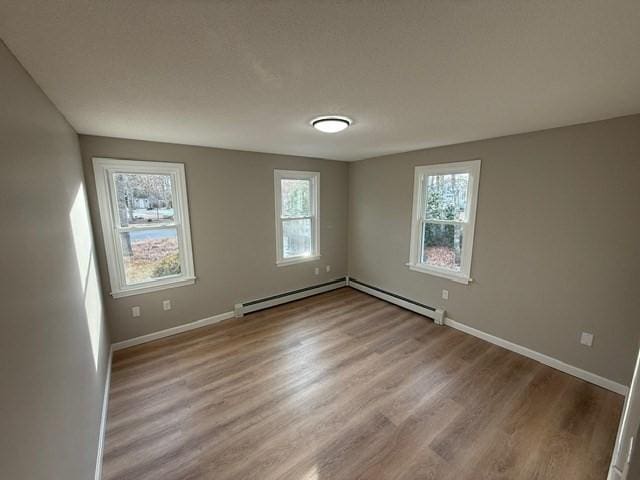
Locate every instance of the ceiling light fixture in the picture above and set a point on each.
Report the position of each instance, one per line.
(331, 123)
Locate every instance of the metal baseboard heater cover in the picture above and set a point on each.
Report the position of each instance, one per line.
(437, 314)
(254, 305)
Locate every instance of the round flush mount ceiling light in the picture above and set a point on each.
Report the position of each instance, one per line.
(331, 123)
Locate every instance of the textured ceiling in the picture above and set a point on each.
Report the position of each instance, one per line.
(250, 75)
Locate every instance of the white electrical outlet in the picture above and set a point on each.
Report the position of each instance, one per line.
(166, 304)
(328, 268)
(445, 294)
(135, 311)
(586, 339)
(317, 270)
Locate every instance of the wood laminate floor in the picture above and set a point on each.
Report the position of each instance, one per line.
(345, 386)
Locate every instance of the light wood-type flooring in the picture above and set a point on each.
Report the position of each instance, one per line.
(343, 386)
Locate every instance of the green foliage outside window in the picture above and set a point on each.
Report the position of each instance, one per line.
(295, 198)
(169, 265)
(437, 208)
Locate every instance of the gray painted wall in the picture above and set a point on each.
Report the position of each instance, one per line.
(232, 213)
(54, 345)
(556, 243)
(555, 254)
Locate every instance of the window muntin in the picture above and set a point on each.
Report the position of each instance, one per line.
(444, 218)
(297, 233)
(145, 221)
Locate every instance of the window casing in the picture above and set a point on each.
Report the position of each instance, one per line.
(297, 207)
(145, 225)
(443, 219)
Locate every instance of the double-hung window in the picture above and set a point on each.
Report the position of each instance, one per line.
(443, 220)
(297, 196)
(145, 224)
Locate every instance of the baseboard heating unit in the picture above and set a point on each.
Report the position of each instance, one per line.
(437, 314)
(254, 305)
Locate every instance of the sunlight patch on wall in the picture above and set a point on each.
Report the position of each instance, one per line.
(311, 474)
(83, 243)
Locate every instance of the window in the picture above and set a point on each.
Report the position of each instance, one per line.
(444, 212)
(145, 223)
(297, 216)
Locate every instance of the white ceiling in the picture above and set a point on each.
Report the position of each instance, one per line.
(250, 75)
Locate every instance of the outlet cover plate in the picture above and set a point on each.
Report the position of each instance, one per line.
(586, 339)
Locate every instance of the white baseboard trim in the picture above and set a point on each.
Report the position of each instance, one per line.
(248, 307)
(615, 474)
(437, 315)
(244, 308)
(514, 347)
(103, 418)
(541, 357)
(172, 331)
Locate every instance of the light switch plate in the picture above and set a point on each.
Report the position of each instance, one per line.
(135, 311)
(166, 304)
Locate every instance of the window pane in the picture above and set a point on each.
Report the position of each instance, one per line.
(446, 197)
(442, 246)
(144, 198)
(296, 198)
(150, 254)
(296, 238)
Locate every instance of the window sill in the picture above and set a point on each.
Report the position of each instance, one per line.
(294, 260)
(182, 282)
(461, 278)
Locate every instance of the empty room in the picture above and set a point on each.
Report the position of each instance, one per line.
(320, 240)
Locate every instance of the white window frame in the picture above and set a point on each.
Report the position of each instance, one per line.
(418, 219)
(314, 178)
(103, 169)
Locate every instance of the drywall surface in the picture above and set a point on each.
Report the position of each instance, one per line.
(54, 345)
(556, 240)
(232, 212)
